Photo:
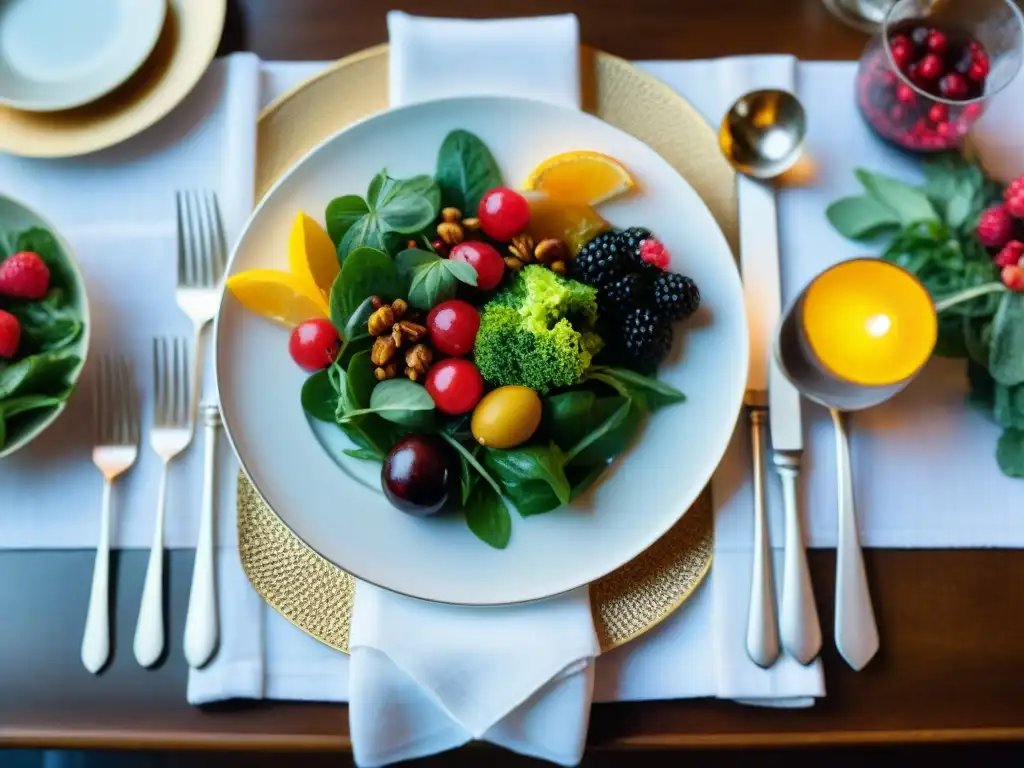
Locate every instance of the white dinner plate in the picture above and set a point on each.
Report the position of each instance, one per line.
(60, 54)
(334, 503)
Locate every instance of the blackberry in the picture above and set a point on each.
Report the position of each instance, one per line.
(602, 260)
(627, 292)
(633, 238)
(643, 341)
(675, 296)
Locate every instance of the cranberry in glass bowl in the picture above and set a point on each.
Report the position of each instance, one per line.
(926, 76)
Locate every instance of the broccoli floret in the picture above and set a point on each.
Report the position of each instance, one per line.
(538, 332)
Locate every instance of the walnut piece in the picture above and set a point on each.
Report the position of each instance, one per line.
(521, 248)
(389, 371)
(399, 307)
(412, 331)
(471, 225)
(383, 350)
(381, 321)
(450, 233)
(559, 268)
(513, 263)
(396, 335)
(417, 361)
(551, 250)
(451, 215)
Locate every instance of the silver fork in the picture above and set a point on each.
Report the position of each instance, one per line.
(172, 432)
(202, 254)
(115, 449)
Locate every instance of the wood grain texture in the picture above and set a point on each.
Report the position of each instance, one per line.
(952, 624)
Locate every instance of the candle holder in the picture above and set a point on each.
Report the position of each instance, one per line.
(854, 337)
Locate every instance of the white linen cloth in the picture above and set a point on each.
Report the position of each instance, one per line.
(115, 208)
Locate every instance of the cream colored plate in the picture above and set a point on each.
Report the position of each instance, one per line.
(187, 43)
(317, 596)
(59, 54)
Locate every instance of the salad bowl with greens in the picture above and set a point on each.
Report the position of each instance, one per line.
(44, 325)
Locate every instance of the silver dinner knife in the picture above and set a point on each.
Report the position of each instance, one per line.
(759, 266)
(801, 630)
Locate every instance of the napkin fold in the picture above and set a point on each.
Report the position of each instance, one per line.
(441, 675)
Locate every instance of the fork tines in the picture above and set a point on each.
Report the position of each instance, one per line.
(115, 403)
(202, 251)
(171, 381)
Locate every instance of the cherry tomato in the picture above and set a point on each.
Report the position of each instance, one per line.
(503, 213)
(453, 326)
(455, 385)
(314, 344)
(485, 259)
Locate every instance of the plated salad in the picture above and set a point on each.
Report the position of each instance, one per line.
(40, 322)
(487, 346)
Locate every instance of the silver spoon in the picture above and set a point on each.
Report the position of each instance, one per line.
(856, 630)
(762, 137)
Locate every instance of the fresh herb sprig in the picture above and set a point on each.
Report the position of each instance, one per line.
(932, 233)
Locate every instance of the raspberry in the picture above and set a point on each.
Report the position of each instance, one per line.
(10, 334)
(995, 225)
(653, 252)
(1011, 254)
(1013, 278)
(1014, 197)
(24, 276)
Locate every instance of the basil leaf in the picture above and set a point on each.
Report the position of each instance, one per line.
(25, 403)
(381, 185)
(1006, 355)
(409, 205)
(431, 283)
(1008, 406)
(366, 454)
(45, 373)
(319, 397)
(399, 401)
(907, 202)
(366, 272)
(461, 271)
(466, 169)
(533, 477)
(652, 392)
(365, 233)
(1010, 452)
(342, 213)
(488, 517)
(860, 218)
(408, 260)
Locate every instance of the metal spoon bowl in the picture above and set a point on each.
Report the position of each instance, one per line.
(762, 134)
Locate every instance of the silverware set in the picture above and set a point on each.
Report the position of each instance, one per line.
(762, 137)
(177, 386)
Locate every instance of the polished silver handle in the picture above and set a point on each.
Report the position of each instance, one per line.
(800, 628)
(856, 630)
(762, 624)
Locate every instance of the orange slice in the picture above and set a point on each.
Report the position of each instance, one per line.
(276, 295)
(576, 223)
(581, 176)
(312, 260)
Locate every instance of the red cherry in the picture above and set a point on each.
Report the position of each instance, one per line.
(979, 68)
(953, 86)
(898, 113)
(455, 385)
(503, 213)
(930, 67)
(947, 131)
(905, 94)
(453, 326)
(314, 344)
(938, 113)
(937, 41)
(485, 259)
(902, 53)
(1013, 278)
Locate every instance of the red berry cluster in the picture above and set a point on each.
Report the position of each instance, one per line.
(941, 64)
(1001, 230)
(22, 276)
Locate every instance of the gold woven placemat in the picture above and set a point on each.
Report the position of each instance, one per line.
(316, 595)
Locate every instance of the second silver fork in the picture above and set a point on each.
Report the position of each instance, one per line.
(172, 432)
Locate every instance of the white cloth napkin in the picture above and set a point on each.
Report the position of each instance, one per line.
(116, 210)
(442, 675)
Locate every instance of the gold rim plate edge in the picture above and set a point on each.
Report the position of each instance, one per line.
(315, 595)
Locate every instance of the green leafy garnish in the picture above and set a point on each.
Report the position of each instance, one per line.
(367, 272)
(466, 169)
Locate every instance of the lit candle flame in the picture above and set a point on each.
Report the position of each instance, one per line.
(878, 325)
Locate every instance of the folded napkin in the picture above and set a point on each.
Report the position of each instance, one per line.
(442, 675)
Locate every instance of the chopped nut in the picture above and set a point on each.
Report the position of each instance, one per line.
(413, 374)
(522, 248)
(412, 331)
(471, 225)
(396, 335)
(450, 232)
(418, 358)
(411, 244)
(513, 263)
(380, 321)
(451, 215)
(376, 302)
(399, 307)
(383, 350)
(558, 267)
(550, 250)
(386, 372)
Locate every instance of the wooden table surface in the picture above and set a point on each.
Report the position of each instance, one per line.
(952, 626)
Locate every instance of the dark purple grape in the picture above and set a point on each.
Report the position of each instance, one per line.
(419, 474)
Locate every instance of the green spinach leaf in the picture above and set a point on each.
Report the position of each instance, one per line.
(1006, 355)
(533, 477)
(399, 401)
(409, 205)
(861, 218)
(1008, 406)
(45, 373)
(366, 272)
(487, 516)
(365, 454)
(25, 403)
(319, 397)
(342, 214)
(907, 202)
(466, 169)
(649, 391)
